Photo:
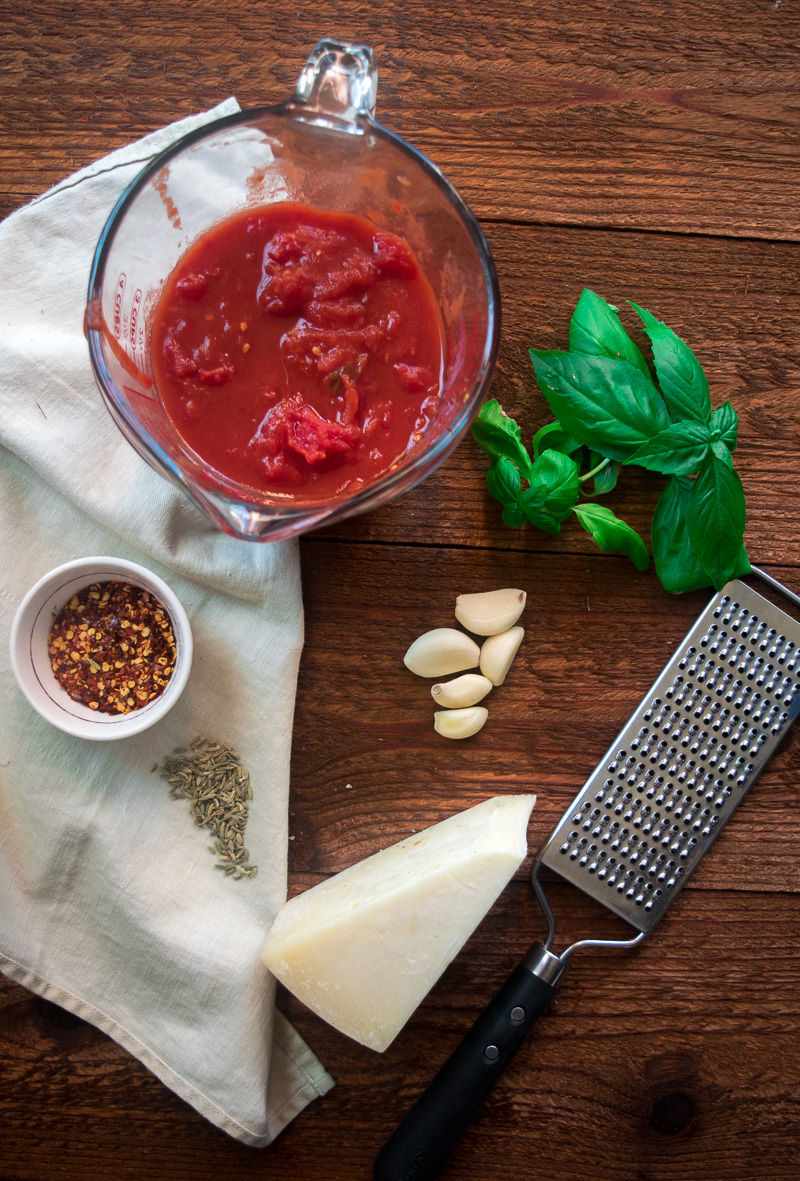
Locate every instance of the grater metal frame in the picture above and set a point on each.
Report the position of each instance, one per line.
(683, 762)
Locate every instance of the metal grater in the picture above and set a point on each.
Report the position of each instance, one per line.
(680, 767)
(644, 819)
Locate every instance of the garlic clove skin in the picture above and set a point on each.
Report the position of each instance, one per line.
(491, 612)
(466, 690)
(498, 652)
(460, 723)
(440, 652)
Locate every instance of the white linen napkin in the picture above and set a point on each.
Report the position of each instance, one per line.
(110, 904)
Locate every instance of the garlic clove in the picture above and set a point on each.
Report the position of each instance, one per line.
(460, 723)
(440, 652)
(466, 690)
(498, 652)
(491, 612)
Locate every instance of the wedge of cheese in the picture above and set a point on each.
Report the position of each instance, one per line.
(363, 948)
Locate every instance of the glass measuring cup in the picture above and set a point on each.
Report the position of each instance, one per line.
(321, 148)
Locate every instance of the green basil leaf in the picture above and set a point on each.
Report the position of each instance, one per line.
(742, 566)
(595, 330)
(677, 450)
(716, 518)
(725, 424)
(608, 405)
(530, 505)
(606, 479)
(503, 481)
(532, 499)
(513, 516)
(555, 438)
(611, 533)
(497, 435)
(559, 476)
(676, 563)
(682, 381)
(554, 488)
(722, 452)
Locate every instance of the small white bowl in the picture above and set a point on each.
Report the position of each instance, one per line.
(30, 658)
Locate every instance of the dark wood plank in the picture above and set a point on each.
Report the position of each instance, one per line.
(682, 119)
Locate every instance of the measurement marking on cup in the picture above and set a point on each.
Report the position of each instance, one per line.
(121, 282)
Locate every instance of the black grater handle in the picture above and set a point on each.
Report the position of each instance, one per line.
(421, 1144)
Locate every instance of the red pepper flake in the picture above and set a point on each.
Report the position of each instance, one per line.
(117, 628)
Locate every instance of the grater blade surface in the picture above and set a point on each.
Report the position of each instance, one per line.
(679, 768)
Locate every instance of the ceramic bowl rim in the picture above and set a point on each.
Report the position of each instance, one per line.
(43, 692)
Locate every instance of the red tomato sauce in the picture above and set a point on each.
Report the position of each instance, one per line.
(298, 352)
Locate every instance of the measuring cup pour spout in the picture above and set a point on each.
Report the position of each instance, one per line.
(338, 86)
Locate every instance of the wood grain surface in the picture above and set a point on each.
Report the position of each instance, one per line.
(648, 151)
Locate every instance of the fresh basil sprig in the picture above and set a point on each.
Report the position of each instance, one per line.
(610, 413)
(607, 404)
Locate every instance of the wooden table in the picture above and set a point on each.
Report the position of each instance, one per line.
(650, 152)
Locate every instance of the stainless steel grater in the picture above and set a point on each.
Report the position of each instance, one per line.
(633, 835)
(680, 767)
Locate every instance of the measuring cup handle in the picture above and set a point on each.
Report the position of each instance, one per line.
(418, 1148)
(338, 85)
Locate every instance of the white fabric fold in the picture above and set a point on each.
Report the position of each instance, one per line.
(109, 901)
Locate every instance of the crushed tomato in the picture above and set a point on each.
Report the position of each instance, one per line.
(298, 351)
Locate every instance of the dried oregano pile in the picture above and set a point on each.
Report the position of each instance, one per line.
(211, 776)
